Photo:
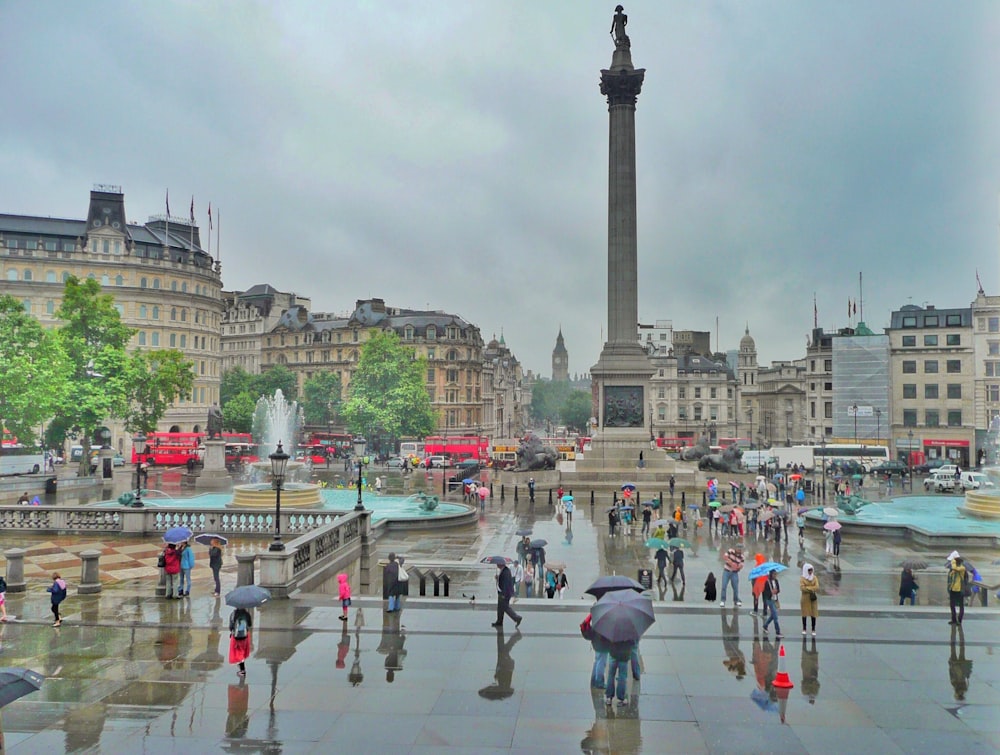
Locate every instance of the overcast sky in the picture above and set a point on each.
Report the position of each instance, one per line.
(454, 154)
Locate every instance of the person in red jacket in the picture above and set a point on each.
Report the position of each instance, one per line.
(172, 566)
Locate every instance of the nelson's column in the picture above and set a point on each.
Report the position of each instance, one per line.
(621, 375)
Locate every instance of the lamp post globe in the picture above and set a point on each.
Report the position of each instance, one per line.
(279, 464)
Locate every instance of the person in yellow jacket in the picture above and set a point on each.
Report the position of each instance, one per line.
(809, 603)
(956, 589)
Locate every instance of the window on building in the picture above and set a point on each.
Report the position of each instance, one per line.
(993, 347)
(932, 418)
(50, 276)
(909, 321)
(156, 283)
(142, 338)
(51, 246)
(993, 393)
(812, 409)
(119, 280)
(697, 413)
(909, 366)
(992, 369)
(173, 313)
(681, 392)
(954, 390)
(828, 386)
(954, 418)
(909, 417)
(12, 275)
(354, 335)
(184, 315)
(183, 341)
(954, 366)
(713, 412)
(173, 340)
(697, 392)
(993, 324)
(953, 339)
(142, 283)
(184, 287)
(121, 309)
(451, 376)
(953, 320)
(156, 312)
(156, 339)
(661, 392)
(909, 341)
(909, 390)
(173, 285)
(431, 332)
(143, 312)
(827, 365)
(930, 340)
(930, 366)
(713, 392)
(681, 412)
(50, 307)
(430, 354)
(661, 413)
(828, 409)
(930, 391)
(430, 374)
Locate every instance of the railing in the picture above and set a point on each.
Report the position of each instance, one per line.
(145, 521)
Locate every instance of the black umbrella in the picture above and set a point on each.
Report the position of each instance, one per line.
(496, 560)
(612, 584)
(248, 596)
(523, 533)
(914, 563)
(18, 682)
(622, 616)
(539, 543)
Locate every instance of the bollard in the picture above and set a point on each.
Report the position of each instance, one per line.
(161, 583)
(245, 568)
(515, 494)
(683, 506)
(614, 498)
(15, 570)
(503, 493)
(704, 497)
(660, 499)
(90, 573)
(591, 499)
(550, 496)
(491, 490)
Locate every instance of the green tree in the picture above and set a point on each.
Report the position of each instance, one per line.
(577, 410)
(234, 382)
(33, 371)
(93, 338)
(547, 400)
(237, 416)
(321, 398)
(156, 379)
(278, 376)
(387, 393)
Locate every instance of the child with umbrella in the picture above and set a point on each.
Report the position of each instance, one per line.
(242, 599)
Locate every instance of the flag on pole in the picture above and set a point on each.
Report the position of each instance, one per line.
(192, 209)
(168, 203)
(815, 312)
(979, 282)
(855, 306)
(848, 307)
(210, 216)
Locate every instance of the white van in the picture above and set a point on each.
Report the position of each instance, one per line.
(975, 481)
(753, 459)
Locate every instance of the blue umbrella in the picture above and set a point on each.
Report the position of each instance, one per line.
(468, 481)
(567, 497)
(766, 568)
(177, 535)
(630, 486)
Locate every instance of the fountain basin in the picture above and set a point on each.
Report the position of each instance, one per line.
(982, 504)
(294, 495)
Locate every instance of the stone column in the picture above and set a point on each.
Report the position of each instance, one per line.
(244, 568)
(15, 570)
(90, 573)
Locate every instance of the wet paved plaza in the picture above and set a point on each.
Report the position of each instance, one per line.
(128, 672)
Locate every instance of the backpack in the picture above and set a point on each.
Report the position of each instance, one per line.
(3, 585)
(241, 628)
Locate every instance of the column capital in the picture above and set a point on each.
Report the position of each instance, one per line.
(622, 87)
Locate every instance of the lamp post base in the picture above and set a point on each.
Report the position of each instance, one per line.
(275, 546)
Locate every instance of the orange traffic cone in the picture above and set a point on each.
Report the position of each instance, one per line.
(781, 679)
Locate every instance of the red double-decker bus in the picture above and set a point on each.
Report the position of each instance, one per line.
(458, 447)
(169, 449)
(342, 444)
(674, 444)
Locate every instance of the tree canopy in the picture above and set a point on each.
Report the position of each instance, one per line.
(93, 339)
(577, 410)
(156, 379)
(387, 394)
(33, 372)
(321, 398)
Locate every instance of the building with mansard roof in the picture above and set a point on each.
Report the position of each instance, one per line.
(165, 285)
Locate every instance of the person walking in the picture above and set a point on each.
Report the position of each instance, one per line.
(518, 573)
(809, 602)
(620, 659)
(3, 598)
(215, 564)
(240, 645)
(569, 511)
(390, 584)
(828, 536)
(505, 591)
(770, 595)
(908, 586)
(647, 517)
(187, 564)
(836, 543)
(172, 567)
(531, 490)
(731, 566)
(757, 586)
(661, 557)
(957, 579)
(529, 581)
(672, 483)
(561, 583)
(345, 595)
(58, 591)
(612, 520)
(677, 565)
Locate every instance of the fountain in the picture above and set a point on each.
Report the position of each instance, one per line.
(274, 420)
(984, 503)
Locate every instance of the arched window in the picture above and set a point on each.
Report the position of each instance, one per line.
(184, 287)
(12, 275)
(173, 340)
(119, 280)
(431, 332)
(156, 283)
(156, 312)
(142, 282)
(173, 285)
(91, 277)
(184, 315)
(173, 313)
(183, 341)
(143, 312)
(27, 305)
(50, 276)
(142, 337)
(156, 339)
(408, 333)
(452, 355)
(27, 275)
(105, 280)
(65, 277)
(197, 289)
(50, 307)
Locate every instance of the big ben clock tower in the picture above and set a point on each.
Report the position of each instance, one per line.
(560, 359)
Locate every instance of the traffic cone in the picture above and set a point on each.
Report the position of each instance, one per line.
(782, 694)
(781, 680)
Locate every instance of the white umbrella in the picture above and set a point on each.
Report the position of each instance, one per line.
(830, 511)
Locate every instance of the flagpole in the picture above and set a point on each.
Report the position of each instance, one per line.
(192, 223)
(209, 229)
(218, 230)
(166, 238)
(861, 295)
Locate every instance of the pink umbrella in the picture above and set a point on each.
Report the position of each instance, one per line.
(483, 491)
(832, 526)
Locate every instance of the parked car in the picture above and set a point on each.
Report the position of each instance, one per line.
(847, 467)
(118, 460)
(891, 468)
(951, 469)
(975, 481)
(941, 483)
(435, 462)
(395, 462)
(931, 465)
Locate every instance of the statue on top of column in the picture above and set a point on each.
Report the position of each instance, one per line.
(618, 29)
(214, 429)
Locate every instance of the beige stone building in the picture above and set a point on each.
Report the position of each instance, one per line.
(247, 317)
(165, 285)
(309, 342)
(506, 398)
(933, 380)
(986, 347)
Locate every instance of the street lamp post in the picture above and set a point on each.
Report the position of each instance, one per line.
(359, 449)
(279, 463)
(750, 415)
(909, 458)
(855, 408)
(878, 426)
(139, 444)
(822, 444)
